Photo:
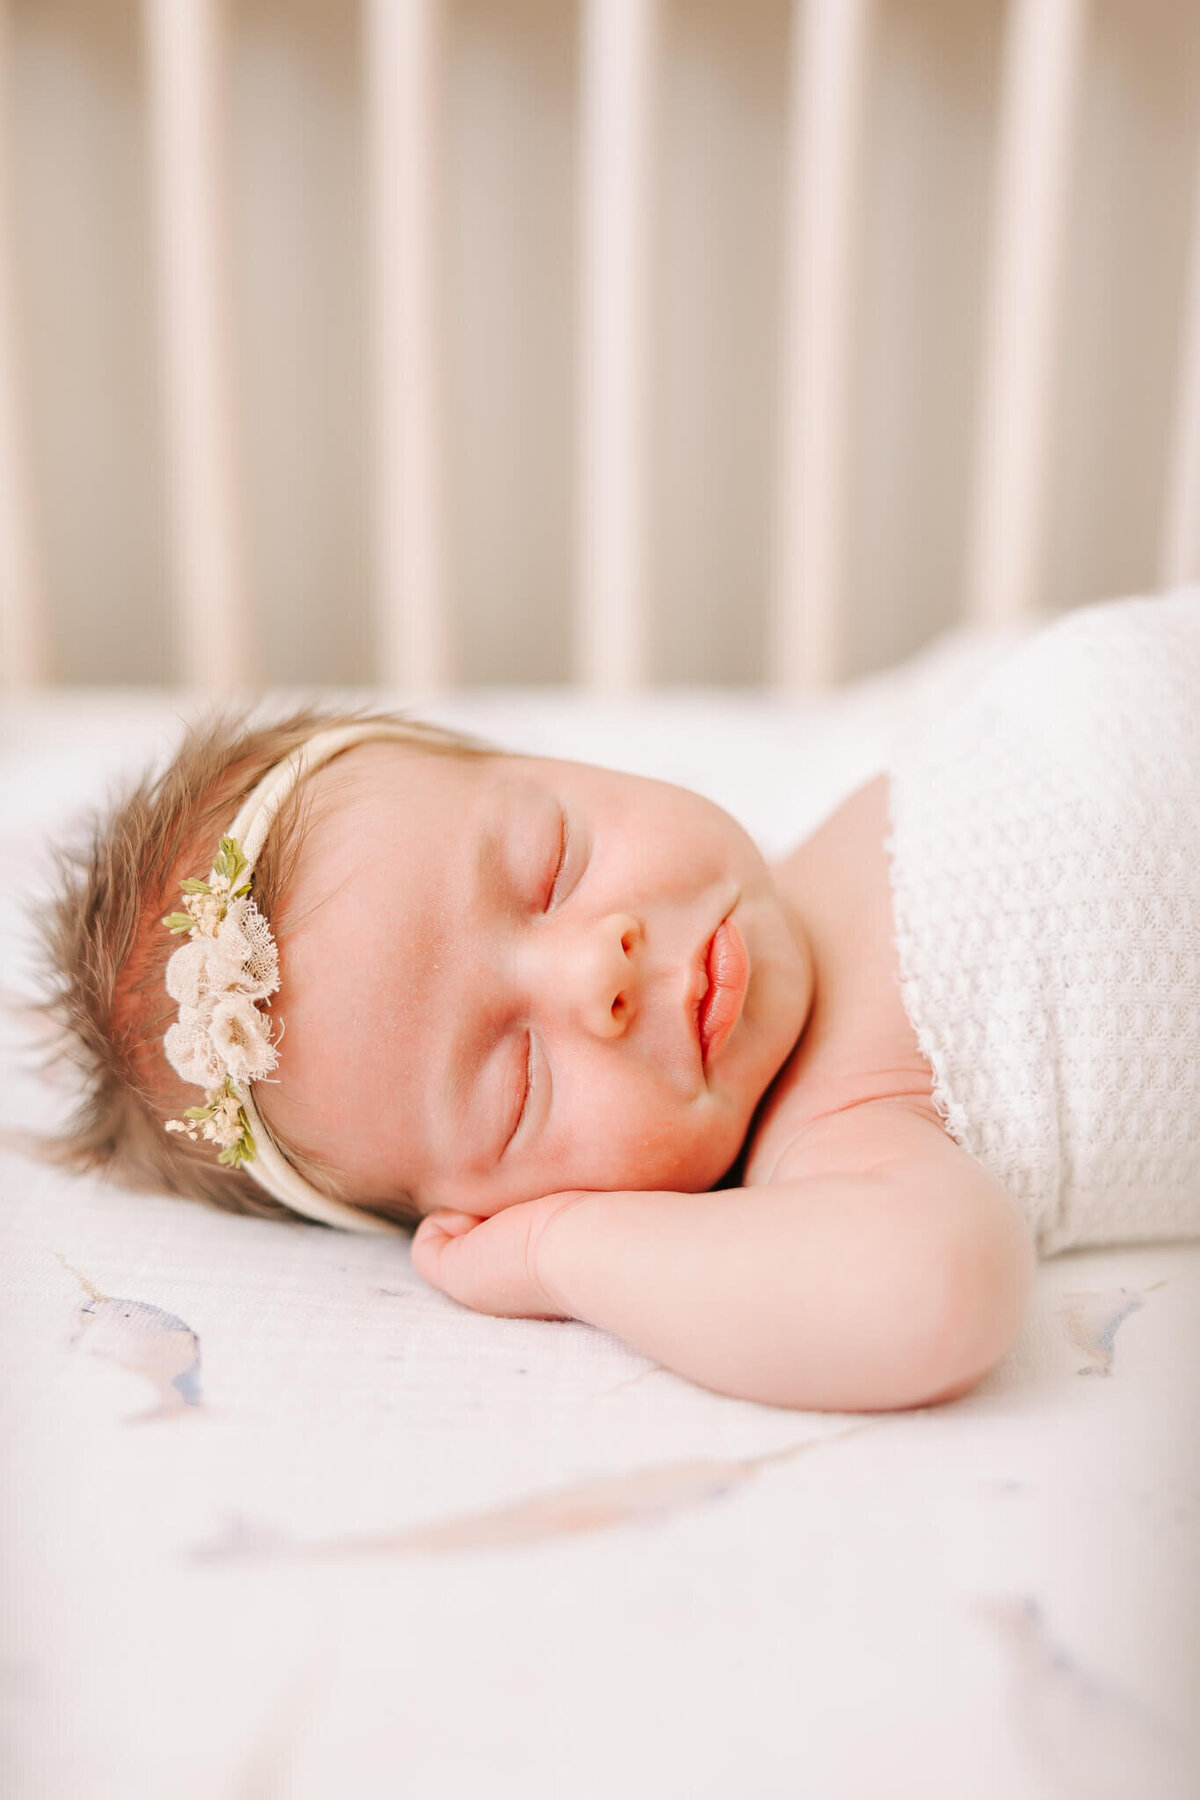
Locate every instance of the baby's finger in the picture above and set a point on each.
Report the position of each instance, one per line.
(430, 1240)
(447, 1223)
(482, 1263)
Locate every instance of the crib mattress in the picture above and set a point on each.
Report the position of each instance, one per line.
(281, 1521)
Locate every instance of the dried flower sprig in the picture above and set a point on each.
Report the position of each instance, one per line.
(222, 1121)
(217, 891)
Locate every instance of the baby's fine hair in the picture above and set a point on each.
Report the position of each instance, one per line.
(105, 951)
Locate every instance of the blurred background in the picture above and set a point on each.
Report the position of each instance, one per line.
(639, 342)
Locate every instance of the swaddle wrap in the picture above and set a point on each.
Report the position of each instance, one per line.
(1045, 866)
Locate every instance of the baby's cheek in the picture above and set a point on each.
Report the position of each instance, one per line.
(687, 1153)
(609, 1144)
(514, 1182)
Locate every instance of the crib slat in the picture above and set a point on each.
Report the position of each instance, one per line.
(830, 64)
(1181, 522)
(24, 658)
(1045, 42)
(619, 41)
(185, 55)
(403, 48)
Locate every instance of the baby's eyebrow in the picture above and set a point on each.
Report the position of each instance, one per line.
(490, 867)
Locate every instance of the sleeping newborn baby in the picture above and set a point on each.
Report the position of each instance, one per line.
(795, 1132)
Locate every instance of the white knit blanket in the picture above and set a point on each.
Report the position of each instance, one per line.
(1046, 880)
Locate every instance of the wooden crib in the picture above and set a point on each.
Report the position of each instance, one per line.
(893, 377)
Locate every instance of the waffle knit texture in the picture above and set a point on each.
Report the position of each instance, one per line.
(1045, 866)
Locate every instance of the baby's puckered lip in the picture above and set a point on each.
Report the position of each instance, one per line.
(722, 975)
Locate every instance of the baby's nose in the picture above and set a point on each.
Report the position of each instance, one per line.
(598, 971)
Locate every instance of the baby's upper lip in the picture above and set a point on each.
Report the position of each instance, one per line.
(700, 983)
(700, 978)
(727, 970)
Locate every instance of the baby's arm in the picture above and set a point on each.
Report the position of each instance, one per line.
(882, 1268)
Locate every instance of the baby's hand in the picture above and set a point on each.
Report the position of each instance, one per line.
(490, 1264)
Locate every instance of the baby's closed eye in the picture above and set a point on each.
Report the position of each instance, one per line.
(524, 1088)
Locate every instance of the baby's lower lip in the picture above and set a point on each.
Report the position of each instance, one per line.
(728, 979)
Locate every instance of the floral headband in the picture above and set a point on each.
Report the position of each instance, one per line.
(226, 973)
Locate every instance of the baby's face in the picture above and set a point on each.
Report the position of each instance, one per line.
(505, 977)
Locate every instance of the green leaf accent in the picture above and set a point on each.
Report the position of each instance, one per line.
(177, 922)
(199, 1113)
(237, 1154)
(192, 884)
(230, 861)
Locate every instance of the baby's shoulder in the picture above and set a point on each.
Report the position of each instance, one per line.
(858, 1049)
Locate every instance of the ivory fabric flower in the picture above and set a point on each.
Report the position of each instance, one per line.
(229, 952)
(241, 1038)
(190, 1049)
(245, 940)
(188, 973)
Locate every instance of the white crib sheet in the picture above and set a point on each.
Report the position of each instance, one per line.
(281, 1521)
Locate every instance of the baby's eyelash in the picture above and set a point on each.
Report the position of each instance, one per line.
(564, 841)
(524, 1106)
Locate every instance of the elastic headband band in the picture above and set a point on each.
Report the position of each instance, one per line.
(228, 965)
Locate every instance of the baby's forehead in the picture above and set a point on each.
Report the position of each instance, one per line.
(385, 803)
(385, 786)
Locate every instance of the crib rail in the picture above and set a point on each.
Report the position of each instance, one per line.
(23, 655)
(1039, 129)
(412, 580)
(185, 56)
(618, 103)
(1181, 518)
